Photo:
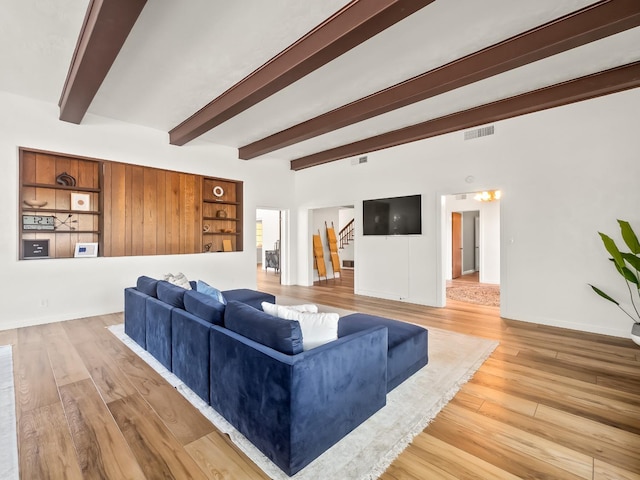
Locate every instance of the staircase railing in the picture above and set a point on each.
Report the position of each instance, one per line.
(347, 234)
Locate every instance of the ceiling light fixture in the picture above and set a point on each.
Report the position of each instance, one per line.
(488, 196)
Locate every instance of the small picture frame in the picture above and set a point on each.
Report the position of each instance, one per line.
(87, 250)
(80, 201)
(35, 249)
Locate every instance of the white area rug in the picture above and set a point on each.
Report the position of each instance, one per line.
(367, 451)
(8, 437)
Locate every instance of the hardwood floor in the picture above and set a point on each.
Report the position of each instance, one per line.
(548, 404)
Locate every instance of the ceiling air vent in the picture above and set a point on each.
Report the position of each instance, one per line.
(479, 132)
(358, 161)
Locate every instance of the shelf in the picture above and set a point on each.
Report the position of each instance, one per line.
(220, 233)
(58, 210)
(221, 219)
(62, 187)
(61, 231)
(220, 202)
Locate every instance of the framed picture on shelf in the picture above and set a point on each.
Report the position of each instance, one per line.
(80, 201)
(35, 249)
(86, 250)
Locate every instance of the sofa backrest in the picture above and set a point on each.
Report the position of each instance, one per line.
(147, 285)
(204, 306)
(282, 335)
(171, 294)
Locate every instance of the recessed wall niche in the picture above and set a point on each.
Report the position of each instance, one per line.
(127, 209)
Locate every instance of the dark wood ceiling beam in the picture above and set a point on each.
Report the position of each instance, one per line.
(595, 22)
(355, 23)
(105, 29)
(583, 88)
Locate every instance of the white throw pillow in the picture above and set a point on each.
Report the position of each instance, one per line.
(280, 310)
(317, 328)
(178, 279)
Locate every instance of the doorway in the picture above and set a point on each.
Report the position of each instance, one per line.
(341, 220)
(271, 243)
(465, 245)
(470, 253)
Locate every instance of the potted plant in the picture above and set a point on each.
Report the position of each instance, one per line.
(628, 265)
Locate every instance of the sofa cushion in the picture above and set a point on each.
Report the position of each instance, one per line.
(250, 297)
(213, 292)
(147, 285)
(135, 308)
(282, 335)
(203, 306)
(317, 328)
(408, 344)
(171, 294)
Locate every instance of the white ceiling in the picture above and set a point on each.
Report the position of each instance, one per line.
(181, 55)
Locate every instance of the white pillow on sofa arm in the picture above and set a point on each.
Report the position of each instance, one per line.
(317, 328)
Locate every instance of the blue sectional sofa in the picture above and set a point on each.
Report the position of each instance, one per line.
(251, 368)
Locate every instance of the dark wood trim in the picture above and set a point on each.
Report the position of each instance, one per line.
(105, 29)
(355, 23)
(594, 22)
(603, 83)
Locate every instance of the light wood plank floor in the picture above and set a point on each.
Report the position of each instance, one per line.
(548, 404)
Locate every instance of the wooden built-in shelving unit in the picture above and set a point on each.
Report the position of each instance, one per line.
(38, 174)
(221, 214)
(134, 210)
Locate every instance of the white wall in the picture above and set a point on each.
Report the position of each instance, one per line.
(39, 291)
(566, 173)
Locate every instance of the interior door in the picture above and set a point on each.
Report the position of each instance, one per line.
(456, 244)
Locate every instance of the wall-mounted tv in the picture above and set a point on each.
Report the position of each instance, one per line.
(393, 216)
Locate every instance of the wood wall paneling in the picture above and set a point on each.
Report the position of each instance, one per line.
(161, 214)
(150, 209)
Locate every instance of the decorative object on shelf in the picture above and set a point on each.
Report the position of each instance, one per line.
(35, 249)
(38, 222)
(226, 246)
(80, 201)
(221, 214)
(207, 247)
(86, 250)
(218, 191)
(205, 227)
(66, 222)
(226, 230)
(65, 179)
(35, 203)
(628, 265)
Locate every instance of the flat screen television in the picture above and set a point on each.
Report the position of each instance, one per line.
(393, 216)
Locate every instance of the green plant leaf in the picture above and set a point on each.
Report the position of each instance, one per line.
(629, 236)
(632, 260)
(603, 295)
(630, 276)
(617, 267)
(611, 247)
